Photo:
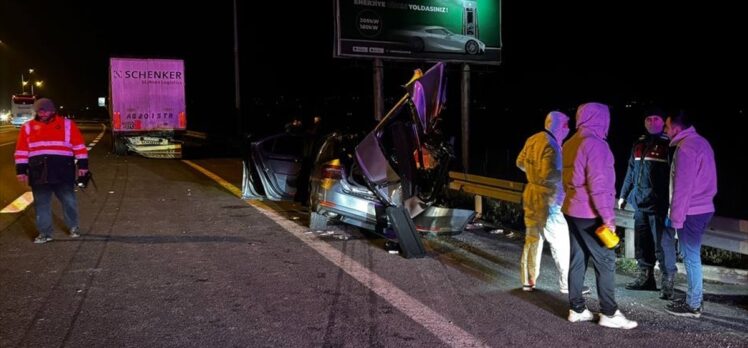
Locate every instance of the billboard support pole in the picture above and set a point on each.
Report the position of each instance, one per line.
(378, 90)
(237, 95)
(465, 110)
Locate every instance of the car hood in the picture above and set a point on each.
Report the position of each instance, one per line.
(427, 92)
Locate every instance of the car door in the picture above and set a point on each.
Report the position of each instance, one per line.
(278, 160)
(393, 157)
(391, 154)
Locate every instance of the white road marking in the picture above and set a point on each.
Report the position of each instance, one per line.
(19, 204)
(431, 320)
(10, 143)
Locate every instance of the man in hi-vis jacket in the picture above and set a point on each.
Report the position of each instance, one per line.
(47, 150)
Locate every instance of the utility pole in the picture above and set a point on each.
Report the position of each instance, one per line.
(465, 108)
(378, 90)
(237, 95)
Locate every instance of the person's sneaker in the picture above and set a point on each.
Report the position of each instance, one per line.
(41, 239)
(75, 232)
(585, 290)
(617, 321)
(528, 288)
(576, 317)
(682, 309)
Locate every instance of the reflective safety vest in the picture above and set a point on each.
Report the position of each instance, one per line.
(47, 152)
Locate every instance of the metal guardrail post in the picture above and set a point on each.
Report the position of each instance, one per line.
(478, 206)
(629, 248)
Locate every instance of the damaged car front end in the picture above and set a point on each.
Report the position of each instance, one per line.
(392, 178)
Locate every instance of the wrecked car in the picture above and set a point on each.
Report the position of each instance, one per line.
(388, 180)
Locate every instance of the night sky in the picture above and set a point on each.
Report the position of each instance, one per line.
(556, 55)
(552, 51)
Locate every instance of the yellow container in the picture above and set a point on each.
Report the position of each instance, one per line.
(609, 238)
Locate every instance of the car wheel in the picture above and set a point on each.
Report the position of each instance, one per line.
(416, 44)
(471, 47)
(317, 221)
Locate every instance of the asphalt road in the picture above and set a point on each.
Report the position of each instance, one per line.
(169, 257)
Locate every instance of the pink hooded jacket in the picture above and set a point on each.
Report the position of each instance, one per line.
(588, 167)
(693, 177)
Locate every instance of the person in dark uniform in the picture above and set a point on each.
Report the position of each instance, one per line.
(646, 189)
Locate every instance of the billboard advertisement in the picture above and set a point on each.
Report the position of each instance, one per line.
(147, 94)
(446, 30)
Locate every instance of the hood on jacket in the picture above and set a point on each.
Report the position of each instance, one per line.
(594, 117)
(557, 123)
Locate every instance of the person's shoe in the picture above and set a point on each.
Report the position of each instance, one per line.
(528, 288)
(42, 239)
(576, 317)
(585, 290)
(75, 232)
(644, 280)
(617, 321)
(682, 309)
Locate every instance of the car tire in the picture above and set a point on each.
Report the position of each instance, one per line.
(317, 221)
(472, 47)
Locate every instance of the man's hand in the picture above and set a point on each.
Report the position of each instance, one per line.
(23, 178)
(621, 203)
(611, 225)
(82, 172)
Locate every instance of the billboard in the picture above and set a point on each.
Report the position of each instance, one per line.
(445, 30)
(147, 94)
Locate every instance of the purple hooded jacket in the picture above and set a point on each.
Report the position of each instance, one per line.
(588, 167)
(693, 177)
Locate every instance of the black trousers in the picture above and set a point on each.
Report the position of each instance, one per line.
(586, 245)
(648, 230)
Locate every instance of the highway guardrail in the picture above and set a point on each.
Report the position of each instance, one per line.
(722, 233)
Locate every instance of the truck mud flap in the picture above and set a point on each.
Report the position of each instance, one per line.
(407, 236)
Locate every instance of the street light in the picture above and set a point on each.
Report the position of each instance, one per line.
(38, 84)
(26, 82)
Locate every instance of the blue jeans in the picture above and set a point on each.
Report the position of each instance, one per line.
(690, 242)
(43, 206)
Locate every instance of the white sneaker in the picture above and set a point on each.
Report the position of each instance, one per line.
(41, 239)
(575, 317)
(528, 288)
(617, 321)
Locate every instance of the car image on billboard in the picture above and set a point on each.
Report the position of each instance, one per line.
(422, 38)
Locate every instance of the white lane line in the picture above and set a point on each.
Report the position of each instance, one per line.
(431, 320)
(10, 143)
(19, 204)
(98, 137)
